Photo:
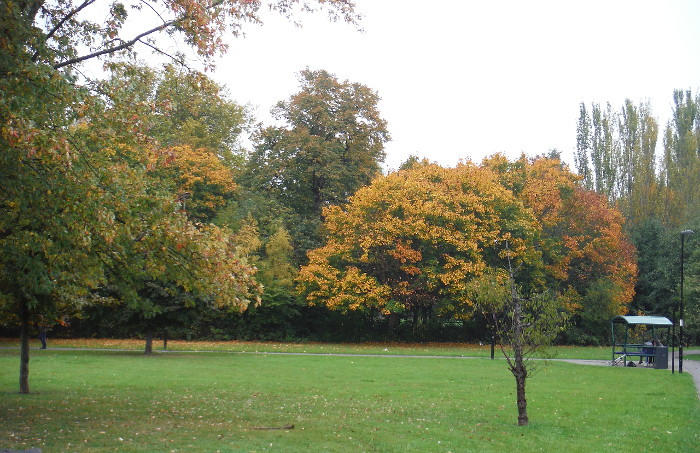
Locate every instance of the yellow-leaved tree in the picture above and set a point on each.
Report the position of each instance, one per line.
(413, 241)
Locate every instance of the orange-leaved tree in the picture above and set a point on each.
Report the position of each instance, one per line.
(413, 240)
(587, 255)
(203, 184)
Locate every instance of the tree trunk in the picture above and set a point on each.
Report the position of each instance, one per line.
(519, 370)
(522, 401)
(393, 322)
(24, 348)
(149, 343)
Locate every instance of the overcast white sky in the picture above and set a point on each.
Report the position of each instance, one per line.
(465, 79)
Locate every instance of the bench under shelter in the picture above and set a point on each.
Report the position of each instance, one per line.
(630, 333)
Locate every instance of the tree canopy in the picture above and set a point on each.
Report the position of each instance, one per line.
(332, 144)
(414, 239)
(421, 238)
(88, 198)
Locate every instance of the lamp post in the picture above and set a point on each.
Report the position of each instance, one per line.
(684, 233)
(673, 342)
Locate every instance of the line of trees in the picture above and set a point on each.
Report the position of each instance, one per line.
(129, 206)
(108, 186)
(652, 176)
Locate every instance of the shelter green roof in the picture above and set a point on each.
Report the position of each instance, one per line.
(646, 320)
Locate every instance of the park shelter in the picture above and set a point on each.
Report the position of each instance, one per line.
(626, 345)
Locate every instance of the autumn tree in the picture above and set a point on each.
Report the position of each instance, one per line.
(178, 106)
(430, 239)
(413, 240)
(586, 252)
(276, 269)
(191, 109)
(63, 35)
(279, 316)
(191, 123)
(74, 210)
(656, 194)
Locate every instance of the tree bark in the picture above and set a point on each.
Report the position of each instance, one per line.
(24, 348)
(393, 322)
(520, 369)
(149, 343)
(522, 401)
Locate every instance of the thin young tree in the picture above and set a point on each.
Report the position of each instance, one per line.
(522, 324)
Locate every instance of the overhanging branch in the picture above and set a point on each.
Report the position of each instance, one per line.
(111, 50)
(60, 23)
(131, 42)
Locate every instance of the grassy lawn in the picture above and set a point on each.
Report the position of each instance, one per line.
(91, 401)
(435, 349)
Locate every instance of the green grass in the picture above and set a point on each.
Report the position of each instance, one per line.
(434, 349)
(93, 401)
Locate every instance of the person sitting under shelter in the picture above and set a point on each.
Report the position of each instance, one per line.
(650, 348)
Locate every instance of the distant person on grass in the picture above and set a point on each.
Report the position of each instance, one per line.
(42, 336)
(45, 326)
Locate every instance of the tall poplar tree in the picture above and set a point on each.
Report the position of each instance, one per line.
(616, 156)
(583, 147)
(682, 153)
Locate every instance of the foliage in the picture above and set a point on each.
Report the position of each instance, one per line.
(330, 145)
(203, 183)
(418, 241)
(616, 156)
(521, 324)
(658, 254)
(691, 290)
(62, 35)
(155, 257)
(191, 109)
(193, 127)
(657, 194)
(81, 205)
(413, 240)
(51, 197)
(581, 238)
(276, 268)
(681, 160)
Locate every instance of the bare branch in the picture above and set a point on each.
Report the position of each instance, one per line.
(179, 61)
(111, 50)
(154, 10)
